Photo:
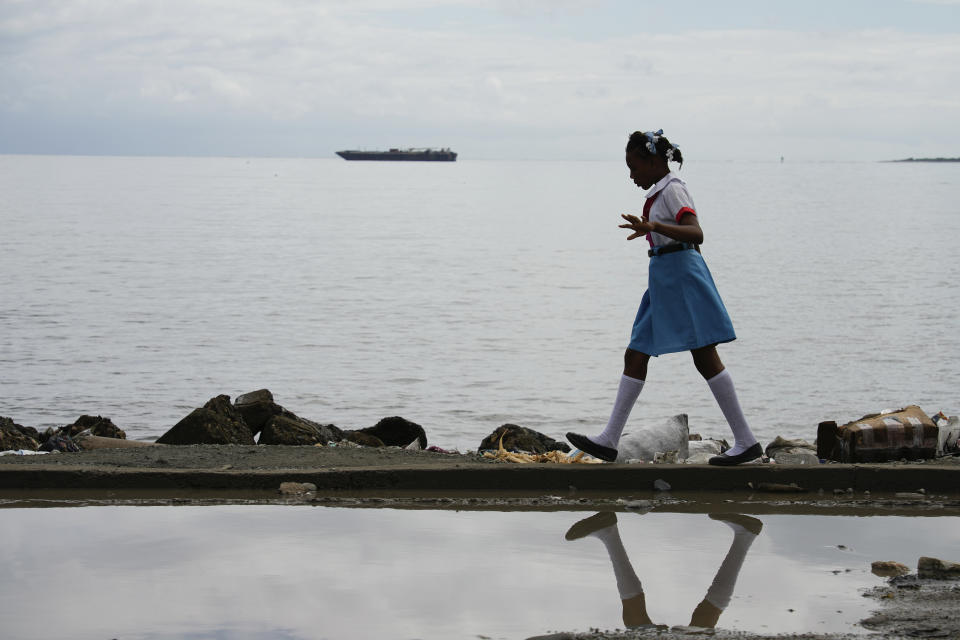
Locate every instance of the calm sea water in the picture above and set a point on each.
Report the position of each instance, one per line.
(463, 295)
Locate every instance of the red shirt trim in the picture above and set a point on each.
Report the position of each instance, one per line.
(683, 211)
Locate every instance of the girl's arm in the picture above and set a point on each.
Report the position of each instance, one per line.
(687, 231)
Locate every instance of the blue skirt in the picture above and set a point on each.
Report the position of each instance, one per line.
(681, 309)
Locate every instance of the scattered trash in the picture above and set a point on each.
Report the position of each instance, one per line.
(948, 433)
(435, 449)
(87, 441)
(907, 433)
(502, 455)
(666, 457)
(700, 451)
(22, 452)
(59, 442)
(340, 443)
(644, 444)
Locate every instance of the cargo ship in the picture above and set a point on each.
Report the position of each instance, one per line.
(429, 155)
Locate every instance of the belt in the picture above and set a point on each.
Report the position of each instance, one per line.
(670, 248)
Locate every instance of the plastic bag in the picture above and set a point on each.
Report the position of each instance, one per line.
(644, 444)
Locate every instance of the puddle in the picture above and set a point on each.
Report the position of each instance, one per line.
(276, 571)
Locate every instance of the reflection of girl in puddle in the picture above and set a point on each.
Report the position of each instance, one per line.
(603, 526)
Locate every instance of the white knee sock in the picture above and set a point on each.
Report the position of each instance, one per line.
(628, 584)
(721, 590)
(722, 387)
(627, 395)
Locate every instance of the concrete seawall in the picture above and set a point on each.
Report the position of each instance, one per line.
(341, 469)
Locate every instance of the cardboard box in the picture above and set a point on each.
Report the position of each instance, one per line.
(880, 437)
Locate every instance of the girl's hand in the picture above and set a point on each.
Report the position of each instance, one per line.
(639, 226)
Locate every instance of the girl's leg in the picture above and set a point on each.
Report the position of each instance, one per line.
(745, 447)
(603, 526)
(745, 530)
(604, 445)
(631, 384)
(635, 364)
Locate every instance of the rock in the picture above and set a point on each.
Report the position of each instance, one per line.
(289, 429)
(363, 439)
(641, 506)
(796, 456)
(257, 407)
(688, 630)
(14, 436)
(700, 451)
(781, 443)
(30, 432)
(68, 438)
(936, 569)
(296, 488)
(661, 485)
(254, 397)
(785, 451)
(217, 422)
(397, 432)
(889, 569)
(98, 426)
(909, 495)
(672, 435)
(522, 439)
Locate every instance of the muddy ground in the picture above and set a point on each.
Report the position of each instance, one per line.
(373, 478)
(905, 608)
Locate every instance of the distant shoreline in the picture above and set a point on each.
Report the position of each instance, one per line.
(925, 160)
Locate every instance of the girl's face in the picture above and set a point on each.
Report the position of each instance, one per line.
(645, 170)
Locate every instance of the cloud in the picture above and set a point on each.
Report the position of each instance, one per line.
(364, 68)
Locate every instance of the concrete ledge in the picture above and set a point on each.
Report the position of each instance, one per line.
(466, 477)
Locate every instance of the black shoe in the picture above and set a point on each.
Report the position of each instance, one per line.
(723, 460)
(747, 522)
(587, 445)
(595, 522)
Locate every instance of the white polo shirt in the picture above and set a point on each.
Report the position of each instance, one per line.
(671, 201)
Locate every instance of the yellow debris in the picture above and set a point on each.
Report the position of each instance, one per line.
(503, 455)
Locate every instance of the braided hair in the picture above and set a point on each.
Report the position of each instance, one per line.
(654, 143)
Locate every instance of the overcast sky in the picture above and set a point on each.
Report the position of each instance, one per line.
(493, 79)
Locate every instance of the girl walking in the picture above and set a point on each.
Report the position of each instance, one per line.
(681, 309)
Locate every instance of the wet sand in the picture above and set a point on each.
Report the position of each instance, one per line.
(367, 477)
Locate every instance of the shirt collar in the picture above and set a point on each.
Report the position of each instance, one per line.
(664, 181)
